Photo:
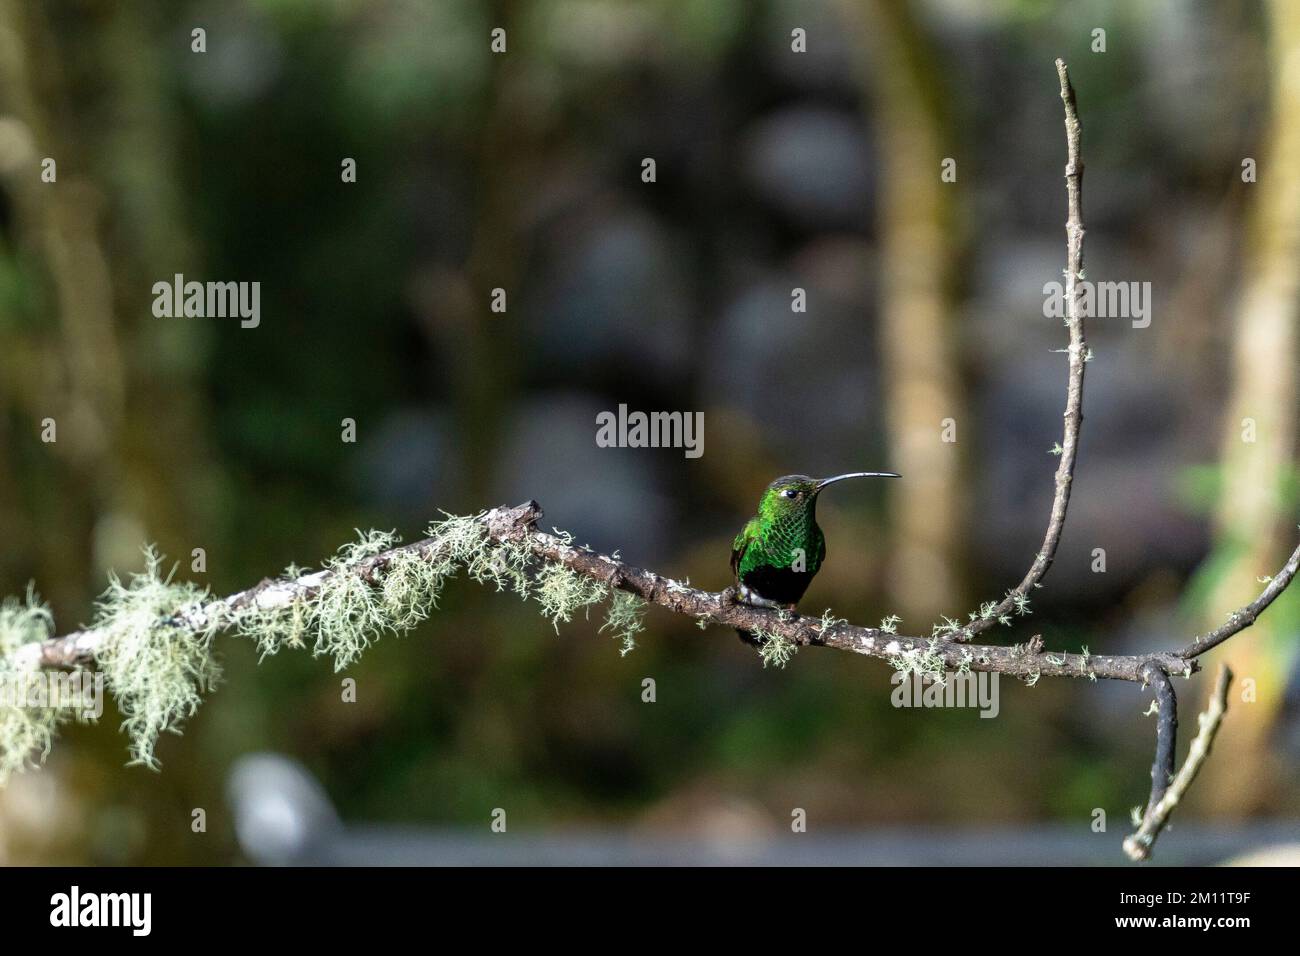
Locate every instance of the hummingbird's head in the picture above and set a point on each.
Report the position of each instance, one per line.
(791, 493)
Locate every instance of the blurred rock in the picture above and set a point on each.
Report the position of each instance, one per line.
(411, 465)
(611, 290)
(608, 497)
(243, 55)
(812, 164)
(831, 59)
(809, 381)
(281, 812)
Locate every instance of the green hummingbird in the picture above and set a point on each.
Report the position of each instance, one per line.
(780, 549)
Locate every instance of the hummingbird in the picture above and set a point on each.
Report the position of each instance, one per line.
(780, 549)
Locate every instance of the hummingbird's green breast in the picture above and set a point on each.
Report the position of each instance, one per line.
(780, 549)
(776, 556)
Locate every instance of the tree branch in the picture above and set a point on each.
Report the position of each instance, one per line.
(1167, 788)
(1240, 620)
(517, 526)
(1077, 354)
(1162, 770)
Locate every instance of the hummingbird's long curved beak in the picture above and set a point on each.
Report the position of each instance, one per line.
(854, 474)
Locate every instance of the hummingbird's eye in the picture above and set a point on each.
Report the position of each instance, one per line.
(789, 493)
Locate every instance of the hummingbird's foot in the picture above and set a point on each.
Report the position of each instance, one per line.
(753, 599)
(735, 594)
(740, 594)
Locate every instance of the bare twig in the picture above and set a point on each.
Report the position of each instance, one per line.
(1078, 358)
(1166, 796)
(1246, 616)
(1162, 769)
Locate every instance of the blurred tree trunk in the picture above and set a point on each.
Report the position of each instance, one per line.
(456, 317)
(1254, 521)
(130, 462)
(67, 368)
(922, 385)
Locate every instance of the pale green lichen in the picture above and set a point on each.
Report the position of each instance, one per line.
(563, 592)
(774, 649)
(23, 622)
(458, 541)
(921, 661)
(26, 735)
(948, 629)
(507, 567)
(1085, 663)
(463, 542)
(346, 615)
(358, 600)
(157, 670)
(367, 545)
(964, 665)
(274, 628)
(25, 732)
(830, 622)
(155, 635)
(409, 590)
(623, 619)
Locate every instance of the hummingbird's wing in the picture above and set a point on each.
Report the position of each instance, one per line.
(742, 542)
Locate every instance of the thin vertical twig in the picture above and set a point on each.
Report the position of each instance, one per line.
(1017, 597)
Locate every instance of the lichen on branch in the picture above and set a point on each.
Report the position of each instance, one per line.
(152, 636)
(26, 732)
(156, 668)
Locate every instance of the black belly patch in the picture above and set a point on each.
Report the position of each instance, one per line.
(781, 585)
